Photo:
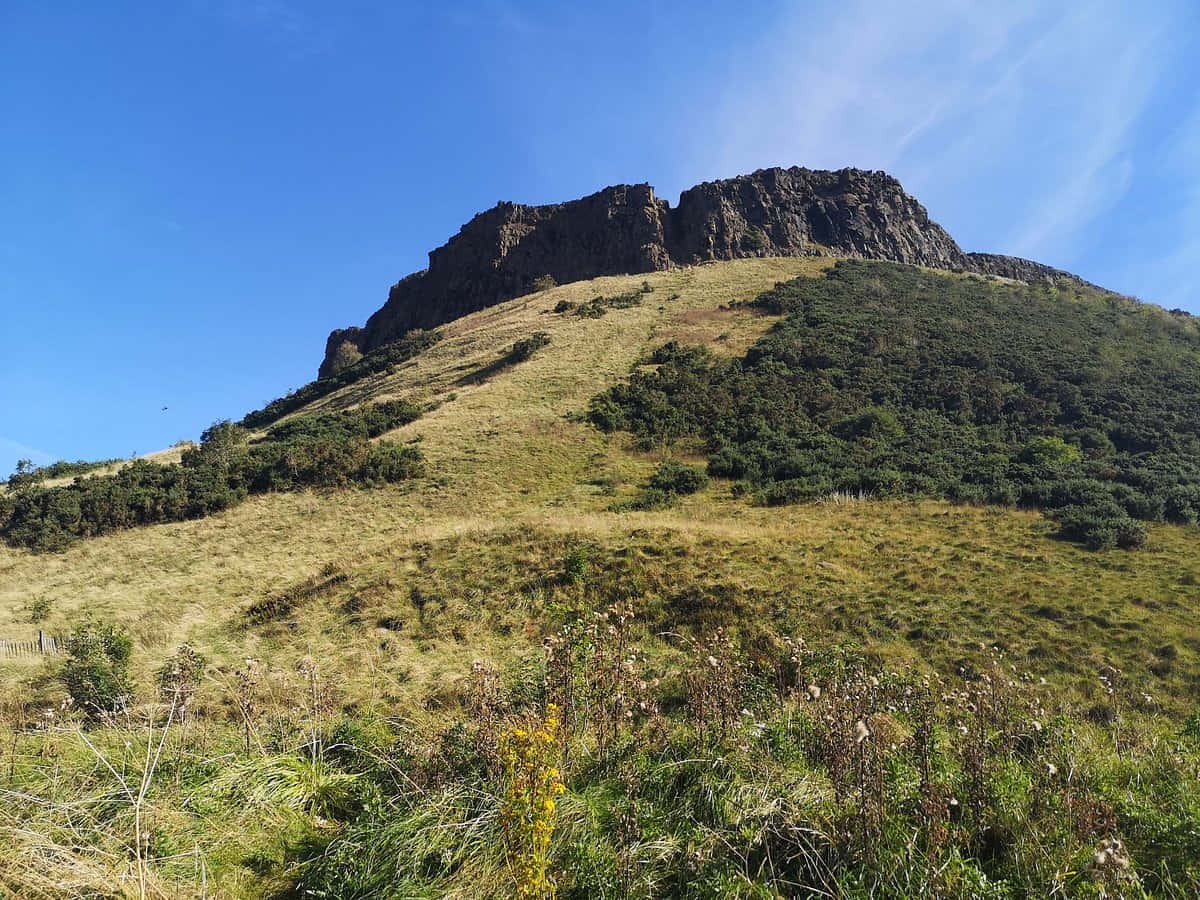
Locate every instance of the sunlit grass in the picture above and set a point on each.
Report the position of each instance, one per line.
(468, 564)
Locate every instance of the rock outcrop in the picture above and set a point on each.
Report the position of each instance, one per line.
(800, 212)
(628, 230)
(1017, 268)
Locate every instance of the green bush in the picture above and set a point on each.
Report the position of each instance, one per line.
(1049, 452)
(1100, 527)
(576, 565)
(346, 355)
(647, 499)
(526, 347)
(894, 381)
(27, 474)
(676, 478)
(754, 240)
(599, 306)
(96, 671)
(1182, 504)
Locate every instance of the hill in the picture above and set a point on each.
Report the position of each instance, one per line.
(396, 632)
(626, 229)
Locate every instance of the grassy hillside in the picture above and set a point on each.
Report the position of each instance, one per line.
(396, 631)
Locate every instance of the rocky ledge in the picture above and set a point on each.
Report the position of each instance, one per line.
(626, 229)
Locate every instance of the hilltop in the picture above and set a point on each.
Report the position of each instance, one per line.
(626, 229)
(770, 530)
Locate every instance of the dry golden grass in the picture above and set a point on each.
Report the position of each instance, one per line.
(513, 480)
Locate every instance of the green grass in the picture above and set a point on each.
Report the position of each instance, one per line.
(473, 563)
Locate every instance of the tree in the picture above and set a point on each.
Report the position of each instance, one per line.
(23, 476)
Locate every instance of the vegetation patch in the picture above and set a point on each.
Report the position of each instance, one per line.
(887, 380)
(599, 306)
(330, 450)
(720, 698)
(28, 474)
(383, 359)
(519, 352)
(889, 699)
(278, 606)
(665, 486)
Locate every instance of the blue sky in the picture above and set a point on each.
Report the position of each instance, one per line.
(192, 194)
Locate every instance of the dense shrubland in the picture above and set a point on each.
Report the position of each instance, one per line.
(330, 450)
(890, 380)
(27, 473)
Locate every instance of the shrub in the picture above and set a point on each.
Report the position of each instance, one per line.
(311, 451)
(796, 490)
(39, 609)
(593, 310)
(1049, 452)
(96, 671)
(575, 566)
(599, 306)
(879, 424)
(1100, 527)
(526, 347)
(391, 462)
(563, 306)
(543, 283)
(27, 474)
(754, 240)
(379, 360)
(676, 478)
(1181, 504)
(727, 463)
(180, 676)
(645, 500)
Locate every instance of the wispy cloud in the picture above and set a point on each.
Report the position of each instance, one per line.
(285, 24)
(1019, 123)
(12, 451)
(492, 15)
(1169, 277)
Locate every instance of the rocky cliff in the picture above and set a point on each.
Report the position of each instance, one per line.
(627, 229)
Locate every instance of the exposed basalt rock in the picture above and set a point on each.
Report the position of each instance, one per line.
(628, 230)
(800, 212)
(1016, 268)
(499, 253)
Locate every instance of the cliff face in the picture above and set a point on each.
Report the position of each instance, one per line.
(498, 253)
(627, 230)
(800, 212)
